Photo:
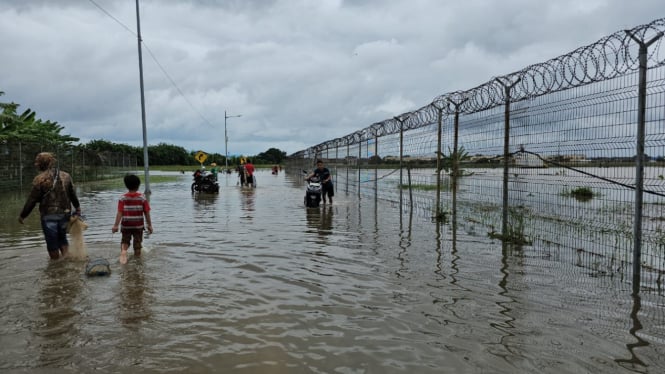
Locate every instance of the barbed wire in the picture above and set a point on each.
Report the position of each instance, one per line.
(610, 57)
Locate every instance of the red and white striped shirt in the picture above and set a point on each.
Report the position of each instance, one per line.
(133, 205)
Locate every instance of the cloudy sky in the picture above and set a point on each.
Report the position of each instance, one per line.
(298, 71)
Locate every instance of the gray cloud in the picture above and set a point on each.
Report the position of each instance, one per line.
(298, 72)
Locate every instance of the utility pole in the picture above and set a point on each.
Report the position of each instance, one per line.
(226, 140)
(145, 133)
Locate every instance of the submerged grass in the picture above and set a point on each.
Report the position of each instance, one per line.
(421, 187)
(580, 193)
(118, 182)
(516, 233)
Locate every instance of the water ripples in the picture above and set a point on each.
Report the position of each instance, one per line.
(251, 281)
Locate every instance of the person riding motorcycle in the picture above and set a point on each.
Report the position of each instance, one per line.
(204, 181)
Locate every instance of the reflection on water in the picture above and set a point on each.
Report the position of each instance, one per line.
(506, 323)
(134, 305)
(205, 204)
(249, 280)
(57, 332)
(247, 202)
(134, 313)
(320, 221)
(634, 363)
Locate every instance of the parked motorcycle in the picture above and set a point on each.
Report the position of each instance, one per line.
(205, 181)
(313, 192)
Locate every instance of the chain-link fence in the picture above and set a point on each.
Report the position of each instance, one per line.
(17, 163)
(567, 153)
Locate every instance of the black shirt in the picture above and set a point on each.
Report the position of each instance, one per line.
(323, 174)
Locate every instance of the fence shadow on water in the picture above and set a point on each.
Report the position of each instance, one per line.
(564, 154)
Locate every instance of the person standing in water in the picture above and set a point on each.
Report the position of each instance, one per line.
(54, 190)
(133, 207)
(325, 177)
(213, 170)
(249, 167)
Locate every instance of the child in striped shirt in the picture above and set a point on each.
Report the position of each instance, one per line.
(132, 208)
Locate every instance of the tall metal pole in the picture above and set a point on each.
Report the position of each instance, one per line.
(226, 140)
(438, 161)
(146, 166)
(506, 155)
(456, 155)
(226, 145)
(639, 158)
(360, 149)
(348, 153)
(376, 168)
(400, 119)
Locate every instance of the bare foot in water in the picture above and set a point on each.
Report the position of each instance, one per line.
(123, 257)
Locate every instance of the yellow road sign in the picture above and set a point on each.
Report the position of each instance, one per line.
(200, 156)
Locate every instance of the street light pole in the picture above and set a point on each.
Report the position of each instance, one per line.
(146, 166)
(226, 141)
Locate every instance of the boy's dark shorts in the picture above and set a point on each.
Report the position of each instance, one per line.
(132, 235)
(55, 231)
(328, 189)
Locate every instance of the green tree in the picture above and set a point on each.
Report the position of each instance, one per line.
(271, 156)
(27, 127)
(168, 154)
(107, 146)
(448, 162)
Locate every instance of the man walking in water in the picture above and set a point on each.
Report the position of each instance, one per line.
(249, 167)
(54, 190)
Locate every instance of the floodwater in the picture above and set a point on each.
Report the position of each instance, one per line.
(251, 281)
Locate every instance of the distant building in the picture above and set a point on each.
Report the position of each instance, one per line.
(527, 160)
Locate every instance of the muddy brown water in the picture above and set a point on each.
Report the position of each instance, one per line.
(251, 281)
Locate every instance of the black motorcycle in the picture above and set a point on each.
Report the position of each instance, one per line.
(205, 182)
(313, 192)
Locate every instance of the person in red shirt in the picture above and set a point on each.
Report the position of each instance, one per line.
(250, 173)
(132, 208)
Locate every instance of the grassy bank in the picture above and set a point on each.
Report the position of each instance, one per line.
(192, 168)
(119, 183)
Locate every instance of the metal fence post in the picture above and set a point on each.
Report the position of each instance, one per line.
(639, 157)
(439, 120)
(360, 148)
(455, 156)
(336, 155)
(348, 153)
(506, 155)
(401, 120)
(376, 166)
